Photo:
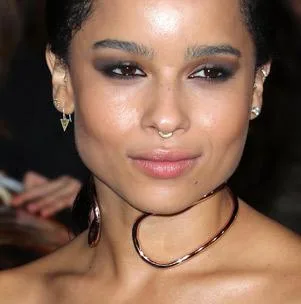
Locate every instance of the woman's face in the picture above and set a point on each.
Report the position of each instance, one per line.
(141, 66)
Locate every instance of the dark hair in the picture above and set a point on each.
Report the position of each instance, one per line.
(66, 17)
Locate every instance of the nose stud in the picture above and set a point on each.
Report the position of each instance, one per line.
(165, 135)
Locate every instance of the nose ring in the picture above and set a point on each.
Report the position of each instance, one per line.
(165, 135)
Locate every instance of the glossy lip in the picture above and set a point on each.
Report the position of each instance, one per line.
(164, 164)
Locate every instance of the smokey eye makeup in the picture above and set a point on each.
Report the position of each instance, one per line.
(213, 73)
(215, 70)
(119, 69)
(128, 70)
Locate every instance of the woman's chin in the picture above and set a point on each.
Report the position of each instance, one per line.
(164, 204)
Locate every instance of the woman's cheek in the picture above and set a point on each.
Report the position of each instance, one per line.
(224, 122)
(108, 112)
(223, 112)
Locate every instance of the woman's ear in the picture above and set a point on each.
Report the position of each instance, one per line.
(261, 74)
(61, 84)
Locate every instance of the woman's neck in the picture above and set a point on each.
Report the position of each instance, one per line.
(163, 238)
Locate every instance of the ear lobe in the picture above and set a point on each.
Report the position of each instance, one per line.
(61, 86)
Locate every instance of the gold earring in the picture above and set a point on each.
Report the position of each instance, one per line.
(64, 121)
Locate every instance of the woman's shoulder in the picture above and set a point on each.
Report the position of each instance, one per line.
(32, 283)
(19, 287)
(260, 259)
(268, 240)
(270, 248)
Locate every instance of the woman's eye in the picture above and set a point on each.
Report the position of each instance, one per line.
(125, 71)
(212, 74)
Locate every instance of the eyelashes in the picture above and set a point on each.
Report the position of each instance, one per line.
(125, 70)
(212, 73)
(120, 70)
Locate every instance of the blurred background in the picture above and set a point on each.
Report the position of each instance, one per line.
(41, 173)
(40, 170)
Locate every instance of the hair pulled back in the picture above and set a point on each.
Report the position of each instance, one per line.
(66, 17)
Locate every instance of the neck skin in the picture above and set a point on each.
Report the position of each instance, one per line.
(163, 238)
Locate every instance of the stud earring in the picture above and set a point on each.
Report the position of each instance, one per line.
(64, 121)
(57, 104)
(256, 111)
(264, 74)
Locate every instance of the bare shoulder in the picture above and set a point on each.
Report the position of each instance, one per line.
(270, 236)
(71, 257)
(277, 286)
(31, 284)
(266, 241)
(18, 287)
(272, 251)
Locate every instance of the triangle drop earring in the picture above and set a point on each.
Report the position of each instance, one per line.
(64, 121)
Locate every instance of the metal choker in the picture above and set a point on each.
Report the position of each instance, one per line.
(201, 248)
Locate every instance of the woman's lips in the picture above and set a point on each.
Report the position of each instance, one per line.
(164, 165)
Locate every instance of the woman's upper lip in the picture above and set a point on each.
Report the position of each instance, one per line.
(164, 155)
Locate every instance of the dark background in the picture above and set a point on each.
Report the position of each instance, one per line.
(269, 176)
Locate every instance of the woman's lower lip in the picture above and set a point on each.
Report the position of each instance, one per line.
(164, 169)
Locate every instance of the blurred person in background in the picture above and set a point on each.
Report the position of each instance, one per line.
(34, 148)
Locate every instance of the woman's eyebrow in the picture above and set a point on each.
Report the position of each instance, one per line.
(126, 46)
(192, 52)
(197, 51)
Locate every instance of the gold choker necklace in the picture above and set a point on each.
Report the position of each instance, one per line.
(200, 249)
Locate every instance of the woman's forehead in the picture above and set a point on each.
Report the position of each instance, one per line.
(144, 19)
(156, 6)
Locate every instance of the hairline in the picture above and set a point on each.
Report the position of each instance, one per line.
(91, 5)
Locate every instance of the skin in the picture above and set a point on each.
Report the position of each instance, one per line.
(257, 260)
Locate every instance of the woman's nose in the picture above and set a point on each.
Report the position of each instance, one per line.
(166, 111)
